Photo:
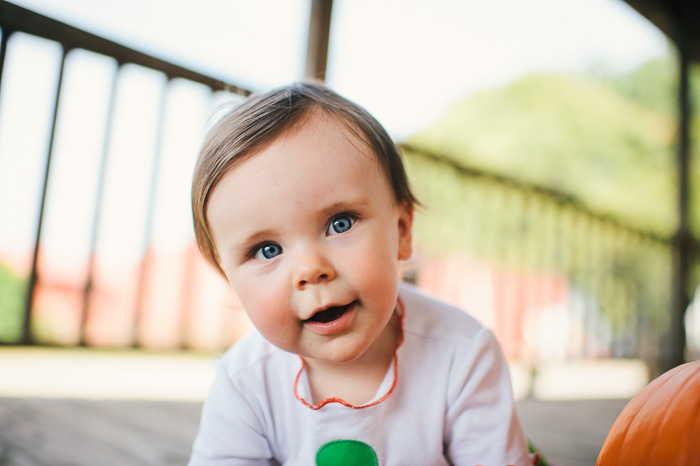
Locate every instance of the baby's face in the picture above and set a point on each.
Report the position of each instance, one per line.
(310, 237)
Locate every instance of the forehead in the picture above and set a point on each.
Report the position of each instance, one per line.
(317, 128)
(340, 128)
(313, 161)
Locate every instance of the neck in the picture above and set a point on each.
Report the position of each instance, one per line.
(358, 381)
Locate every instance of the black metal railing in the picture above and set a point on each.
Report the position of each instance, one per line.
(615, 280)
(14, 20)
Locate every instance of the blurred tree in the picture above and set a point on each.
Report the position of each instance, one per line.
(12, 293)
(608, 141)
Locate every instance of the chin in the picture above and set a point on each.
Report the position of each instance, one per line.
(345, 356)
(342, 360)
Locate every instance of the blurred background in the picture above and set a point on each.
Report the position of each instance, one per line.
(551, 141)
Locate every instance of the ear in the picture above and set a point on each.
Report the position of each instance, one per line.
(405, 228)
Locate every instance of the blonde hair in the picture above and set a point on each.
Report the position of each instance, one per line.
(262, 118)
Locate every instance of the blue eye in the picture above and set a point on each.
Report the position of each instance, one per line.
(268, 251)
(340, 224)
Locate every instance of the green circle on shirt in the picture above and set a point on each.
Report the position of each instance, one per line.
(346, 453)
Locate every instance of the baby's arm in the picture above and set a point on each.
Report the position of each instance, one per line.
(229, 433)
(481, 423)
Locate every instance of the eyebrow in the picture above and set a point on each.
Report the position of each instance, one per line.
(257, 236)
(244, 243)
(346, 204)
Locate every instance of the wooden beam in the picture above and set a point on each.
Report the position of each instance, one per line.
(319, 34)
(665, 14)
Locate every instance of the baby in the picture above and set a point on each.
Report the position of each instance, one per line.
(301, 201)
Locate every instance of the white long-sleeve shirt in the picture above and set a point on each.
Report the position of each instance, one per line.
(446, 399)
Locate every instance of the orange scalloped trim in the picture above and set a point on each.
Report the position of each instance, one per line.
(401, 310)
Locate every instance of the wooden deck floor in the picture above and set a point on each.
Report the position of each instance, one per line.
(569, 433)
(48, 432)
(73, 432)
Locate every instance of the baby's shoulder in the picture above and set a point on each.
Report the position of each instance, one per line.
(253, 355)
(430, 317)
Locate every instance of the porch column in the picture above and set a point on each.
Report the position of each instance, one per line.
(319, 33)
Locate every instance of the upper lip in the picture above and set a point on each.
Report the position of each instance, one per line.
(326, 307)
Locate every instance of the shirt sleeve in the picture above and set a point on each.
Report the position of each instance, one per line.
(230, 434)
(482, 426)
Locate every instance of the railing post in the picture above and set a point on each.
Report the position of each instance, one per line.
(99, 197)
(27, 337)
(3, 50)
(682, 241)
(146, 263)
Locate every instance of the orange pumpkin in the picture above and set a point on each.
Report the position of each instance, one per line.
(660, 425)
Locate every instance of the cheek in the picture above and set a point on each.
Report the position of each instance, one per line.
(375, 267)
(263, 303)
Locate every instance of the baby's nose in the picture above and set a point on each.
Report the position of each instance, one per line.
(312, 268)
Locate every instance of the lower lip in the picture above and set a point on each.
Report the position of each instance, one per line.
(338, 325)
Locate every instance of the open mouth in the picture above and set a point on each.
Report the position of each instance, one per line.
(329, 315)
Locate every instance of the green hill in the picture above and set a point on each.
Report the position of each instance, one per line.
(606, 142)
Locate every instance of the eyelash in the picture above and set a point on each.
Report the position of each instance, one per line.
(351, 215)
(253, 251)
